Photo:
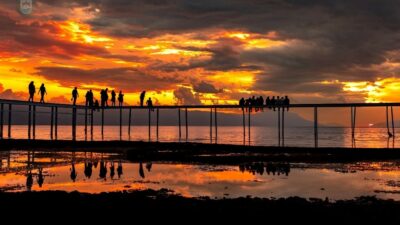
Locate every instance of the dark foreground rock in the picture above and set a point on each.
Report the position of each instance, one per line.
(163, 205)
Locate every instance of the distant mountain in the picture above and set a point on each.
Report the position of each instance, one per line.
(167, 117)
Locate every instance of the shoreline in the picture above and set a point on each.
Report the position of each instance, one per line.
(208, 153)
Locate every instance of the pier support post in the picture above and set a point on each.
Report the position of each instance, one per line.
(34, 122)
(129, 122)
(102, 123)
(279, 126)
(216, 124)
(316, 127)
(249, 125)
(158, 115)
(1, 120)
(86, 122)
(179, 123)
(74, 123)
(29, 121)
(283, 126)
(51, 122)
(91, 123)
(120, 123)
(393, 127)
(186, 124)
(244, 126)
(149, 118)
(211, 125)
(10, 119)
(56, 123)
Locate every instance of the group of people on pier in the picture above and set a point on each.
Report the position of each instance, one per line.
(91, 101)
(258, 103)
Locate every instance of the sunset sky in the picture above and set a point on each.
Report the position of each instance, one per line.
(204, 51)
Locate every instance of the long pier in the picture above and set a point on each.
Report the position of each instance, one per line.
(6, 108)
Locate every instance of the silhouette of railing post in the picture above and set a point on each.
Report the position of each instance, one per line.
(249, 125)
(91, 123)
(149, 120)
(283, 126)
(393, 128)
(244, 126)
(9, 119)
(129, 122)
(102, 122)
(120, 122)
(34, 122)
(29, 121)
(353, 122)
(186, 124)
(56, 123)
(1, 120)
(216, 124)
(211, 125)
(179, 123)
(86, 122)
(279, 126)
(51, 122)
(316, 127)
(157, 122)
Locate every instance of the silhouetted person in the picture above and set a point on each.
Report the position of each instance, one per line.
(40, 179)
(261, 103)
(32, 91)
(112, 170)
(268, 102)
(97, 105)
(286, 102)
(88, 169)
(119, 169)
(141, 171)
(273, 102)
(150, 104)
(75, 95)
(73, 174)
(42, 92)
(148, 166)
(241, 103)
(142, 96)
(104, 97)
(89, 98)
(113, 98)
(120, 99)
(29, 181)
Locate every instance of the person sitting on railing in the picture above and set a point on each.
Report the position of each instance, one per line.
(150, 104)
(113, 98)
(241, 103)
(32, 91)
(75, 95)
(42, 91)
(96, 105)
(286, 102)
(120, 99)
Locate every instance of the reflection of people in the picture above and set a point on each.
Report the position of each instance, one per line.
(119, 169)
(141, 171)
(103, 170)
(73, 174)
(112, 170)
(148, 166)
(88, 169)
(40, 179)
(29, 181)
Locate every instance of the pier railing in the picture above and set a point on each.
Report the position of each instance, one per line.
(6, 107)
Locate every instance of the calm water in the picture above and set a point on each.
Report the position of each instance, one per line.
(92, 173)
(265, 136)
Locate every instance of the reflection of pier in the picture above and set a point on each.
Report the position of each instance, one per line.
(269, 168)
(6, 108)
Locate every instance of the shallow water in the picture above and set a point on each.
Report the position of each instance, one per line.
(20, 171)
(262, 136)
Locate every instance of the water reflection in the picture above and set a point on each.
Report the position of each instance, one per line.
(103, 172)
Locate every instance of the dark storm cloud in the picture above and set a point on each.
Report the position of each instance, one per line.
(127, 79)
(204, 87)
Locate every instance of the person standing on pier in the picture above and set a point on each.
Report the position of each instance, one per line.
(42, 91)
(75, 95)
(120, 98)
(142, 95)
(241, 103)
(113, 98)
(32, 91)
(286, 102)
(89, 98)
(106, 96)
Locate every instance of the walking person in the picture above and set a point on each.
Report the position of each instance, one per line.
(32, 91)
(42, 92)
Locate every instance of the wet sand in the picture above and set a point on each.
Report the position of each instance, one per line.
(165, 205)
